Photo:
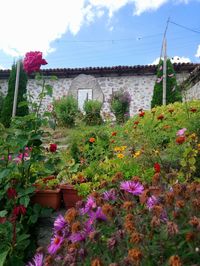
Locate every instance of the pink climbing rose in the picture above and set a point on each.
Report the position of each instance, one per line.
(33, 61)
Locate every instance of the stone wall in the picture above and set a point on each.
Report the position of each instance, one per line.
(140, 88)
(193, 93)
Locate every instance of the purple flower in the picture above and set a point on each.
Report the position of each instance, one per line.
(181, 132)
(151, 202)
(98, 215)
(109, 195)
(59, 223)
(132, 187)
(90, 204)
(37, 260)
(56, 243)
(82, 235)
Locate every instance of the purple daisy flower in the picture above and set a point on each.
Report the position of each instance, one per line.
(151, 202)
(90, 204)
(56, 243)
(109, 195)
(82, 235)
(59, 223)
(132, 187)
(37, 260)
(98, 215)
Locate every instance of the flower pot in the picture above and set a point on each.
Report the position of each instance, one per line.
(48, 198)
(70, 196)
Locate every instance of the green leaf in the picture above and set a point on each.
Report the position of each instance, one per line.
(3, 213)
(54, 78)
(5, 173)
(3, 256)
(22, 237)
(24, 201)
(24, 103)
(33, 218)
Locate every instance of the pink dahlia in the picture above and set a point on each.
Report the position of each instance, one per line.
(33, 61)
(132, 187)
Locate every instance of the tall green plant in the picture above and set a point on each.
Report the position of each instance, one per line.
(6, 113)
(92, 110)
(172, 91)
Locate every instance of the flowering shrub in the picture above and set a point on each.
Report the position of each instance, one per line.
(130, 223)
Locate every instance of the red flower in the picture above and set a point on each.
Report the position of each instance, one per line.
(114, 133)
(53, 147)
(160, 117)
(19, 210)
(11, 193)
(193, 110)
(157, 167)
(141, 114)
(180, 139)
(136, 122)
(92, 140)
(33, 61)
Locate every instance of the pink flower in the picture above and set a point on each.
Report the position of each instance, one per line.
(171, 75)
(12, 193)
(181, 132)
(109, 195)
(90, 204)
(59, 223)
(132, 187)
(37, 260)
(56, 243)
(33, 61)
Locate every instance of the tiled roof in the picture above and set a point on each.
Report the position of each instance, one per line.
(107, 71)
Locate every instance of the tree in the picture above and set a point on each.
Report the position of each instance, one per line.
(6, 113)
(173, 93)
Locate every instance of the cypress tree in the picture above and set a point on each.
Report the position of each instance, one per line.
(173, 93)
(6, 113)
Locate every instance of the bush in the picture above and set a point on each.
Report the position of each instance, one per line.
(1, 102)
(66, 110)
(120, 104)
(6, 113)
(172, 91)
(92, 110)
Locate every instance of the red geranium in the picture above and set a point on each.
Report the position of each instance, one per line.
(53, 147)
(12, 193)
(33, 61)
(180, 139)
(157, 167)
(19, 210)
(114, 133)
(92, 140)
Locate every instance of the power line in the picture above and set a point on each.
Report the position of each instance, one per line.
(184, 27)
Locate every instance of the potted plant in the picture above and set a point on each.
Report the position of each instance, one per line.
(47, 193)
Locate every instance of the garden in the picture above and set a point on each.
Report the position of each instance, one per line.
(130, 187)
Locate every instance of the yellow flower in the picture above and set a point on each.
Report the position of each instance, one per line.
(156, 151)
(120, 155)
(198, 145)
(117, 149)
(137, 154)
(123, 148)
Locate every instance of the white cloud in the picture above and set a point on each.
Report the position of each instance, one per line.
(1, 67)
(175, 59)
(33, 25)
(198, 51)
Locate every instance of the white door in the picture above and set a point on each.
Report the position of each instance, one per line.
(83, 95)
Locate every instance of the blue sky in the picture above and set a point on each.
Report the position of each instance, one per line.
(83, 33)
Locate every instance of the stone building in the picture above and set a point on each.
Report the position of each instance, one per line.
(100, 82)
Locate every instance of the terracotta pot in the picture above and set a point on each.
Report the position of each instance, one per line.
(70, 196)
(48, 198)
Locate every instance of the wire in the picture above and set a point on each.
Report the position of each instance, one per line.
(184, 27)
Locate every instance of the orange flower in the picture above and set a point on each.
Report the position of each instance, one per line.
(141, 114)
(189, 236)
(92, 140)
(193, 109)
(76, 227)
(120, 156)
(135, 238)
(96, 262)
(135, 255)
(128, 205)
(175, 261)
(108, 210)
(114, 133)
(136, 122)
(180, 140)
(71, 215)
(160, 117)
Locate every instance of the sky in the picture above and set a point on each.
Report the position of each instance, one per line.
(91, 33)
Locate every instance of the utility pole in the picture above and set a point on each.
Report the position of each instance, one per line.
(16, 89)
(164, 71)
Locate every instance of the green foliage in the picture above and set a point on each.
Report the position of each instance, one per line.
(66, 110)
(173, 93)
(92, 110)
(1, 102)
(6, 113)
(120, 103)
